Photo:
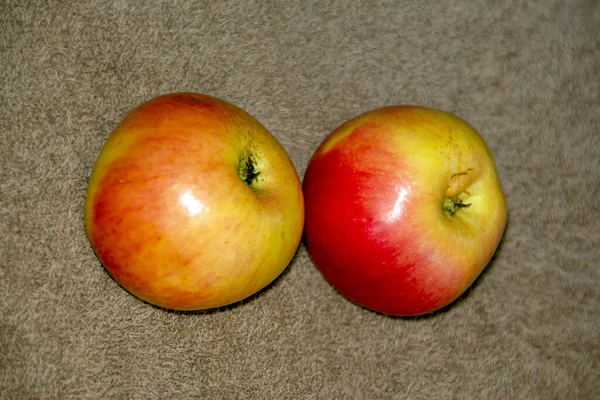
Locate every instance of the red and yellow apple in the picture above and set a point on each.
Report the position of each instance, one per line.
(404, 209)
(192, 204)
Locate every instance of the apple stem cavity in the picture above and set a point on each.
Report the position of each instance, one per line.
(248, 172)
(453, 204)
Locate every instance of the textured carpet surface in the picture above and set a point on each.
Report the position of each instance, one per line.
(525, 74)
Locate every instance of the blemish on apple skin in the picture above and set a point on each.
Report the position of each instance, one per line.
(461, 173)
(186, 99)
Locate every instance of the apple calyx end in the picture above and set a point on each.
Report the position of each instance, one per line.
(453, 204)
(247, 171)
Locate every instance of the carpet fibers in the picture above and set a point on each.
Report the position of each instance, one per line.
(525, 74)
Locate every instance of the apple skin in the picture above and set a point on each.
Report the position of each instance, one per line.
(404, 209)
(192, 204)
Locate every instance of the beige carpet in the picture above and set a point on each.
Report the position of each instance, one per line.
(526, 74)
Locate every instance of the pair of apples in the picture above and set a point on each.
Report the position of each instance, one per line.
(192, 204)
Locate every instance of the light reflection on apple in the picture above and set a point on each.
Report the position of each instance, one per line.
(396, 212)
(191, 203)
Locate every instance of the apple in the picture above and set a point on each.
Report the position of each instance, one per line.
(192, 204)
(404, 209)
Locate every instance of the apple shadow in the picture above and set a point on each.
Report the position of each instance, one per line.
(466, 294)
(447, 308)
(253, 297)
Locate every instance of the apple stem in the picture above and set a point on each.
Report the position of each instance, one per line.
(453, 204)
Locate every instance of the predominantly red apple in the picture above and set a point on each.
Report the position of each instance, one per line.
(193, 204)
(404, 209)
